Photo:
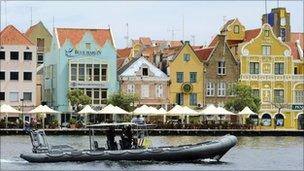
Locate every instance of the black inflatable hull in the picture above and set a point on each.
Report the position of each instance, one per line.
(206, 150)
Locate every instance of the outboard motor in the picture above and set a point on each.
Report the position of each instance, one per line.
(39, 142)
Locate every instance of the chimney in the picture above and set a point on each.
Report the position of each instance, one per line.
(221, 37)
(187, 42)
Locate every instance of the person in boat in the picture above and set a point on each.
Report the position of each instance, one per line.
(129, 136)
(123, 138)
(112, 145)
(140, 137)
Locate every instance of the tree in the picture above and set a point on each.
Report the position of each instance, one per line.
(243, 96)
(124, 101)
(77, 97)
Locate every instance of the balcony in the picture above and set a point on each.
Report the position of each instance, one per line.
(266, 77)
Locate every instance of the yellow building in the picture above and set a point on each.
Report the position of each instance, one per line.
(186, 78)
(267, 66)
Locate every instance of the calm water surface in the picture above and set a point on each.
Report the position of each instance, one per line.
(251, 153)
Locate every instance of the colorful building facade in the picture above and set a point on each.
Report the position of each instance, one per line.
(18, 62)
(186, 73)
(144, 80)
(80, 59)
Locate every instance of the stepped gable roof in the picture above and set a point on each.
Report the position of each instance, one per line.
(294, 37)
(10, 35)
(204, 53)
(76, 34)
(124, 52)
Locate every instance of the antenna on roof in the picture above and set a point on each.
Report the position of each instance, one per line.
(193, 40)
(173, 31)
(127, 35)
(183, 27)
(266, 11)
(31, 16)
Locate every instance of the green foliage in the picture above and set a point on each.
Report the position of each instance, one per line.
(77, 97)
(72, 121)
(123, 101)
(243, 97)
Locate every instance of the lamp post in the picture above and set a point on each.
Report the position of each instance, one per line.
(23, 117)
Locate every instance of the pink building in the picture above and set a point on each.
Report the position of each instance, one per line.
(17, 70)
(146, 81)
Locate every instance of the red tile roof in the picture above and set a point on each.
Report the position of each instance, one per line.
(75, 35)
(123, 52)
(10, 35)
(293, 46)
(250, 34)
(145, 41)
(203, 54)
(175, 43)
(120, 62)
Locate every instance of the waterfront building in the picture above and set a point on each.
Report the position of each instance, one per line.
(186, 78)
(83, 59)
(18, 63)
(42, 38)
(141, 78)
(266, 65)
(221, 71)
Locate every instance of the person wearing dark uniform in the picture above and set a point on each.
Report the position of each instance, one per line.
(111, 138)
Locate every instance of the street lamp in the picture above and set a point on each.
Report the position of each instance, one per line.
(23, 118)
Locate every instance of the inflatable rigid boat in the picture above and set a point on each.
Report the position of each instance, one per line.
(205, 150)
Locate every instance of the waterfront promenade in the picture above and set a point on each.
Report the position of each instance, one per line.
(156, 132)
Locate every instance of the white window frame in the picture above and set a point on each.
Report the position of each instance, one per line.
(10, 96)
(210, 89)
(159, 91)
(266, 50)
(221, 89)
(299, 96)
(221, 68)
(131, 88)
(145, 90)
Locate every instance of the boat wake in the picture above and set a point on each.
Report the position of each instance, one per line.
(12, 161)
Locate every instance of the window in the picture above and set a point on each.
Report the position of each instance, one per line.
(266, 49)
(2, 95)
(180, 98)
(96, 72)
(295, 71)
(104, 94)
(14, 75)
(145, 71)
(96, 97)
(159, 91)
(210, 88)
(279, 68)
(254, 68)
(299, 96)
(221, 68)
(186, 57)
(40, 58)
(88, 92)
(89, 72)
(144, 91)
(256, 92)
(2, 55)
(278, 96)
(193, 99)
(2, 75)
(27, 76)
(73, 72)
(13, 96)
(104, 72)
(40, 44)
(266, 32)
(236, 29)
(88, 45)
(14, 55)
(193, 77)
(131, 88)
(27, 55)
(81, 72)
(27, 96)
(179, 77)
(221, 89)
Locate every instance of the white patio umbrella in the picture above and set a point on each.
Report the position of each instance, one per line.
(43, 110)
(143, 110)
(162, 111)
(246, 112)
(177, 110)
(110, 109)
(7, 109)
(87, 110)
(189, 112)
(208, 111)
(220, 111)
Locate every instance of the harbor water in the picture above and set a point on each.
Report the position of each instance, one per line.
(250, 153)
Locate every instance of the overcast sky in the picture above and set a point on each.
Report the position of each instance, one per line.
(202, 19)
